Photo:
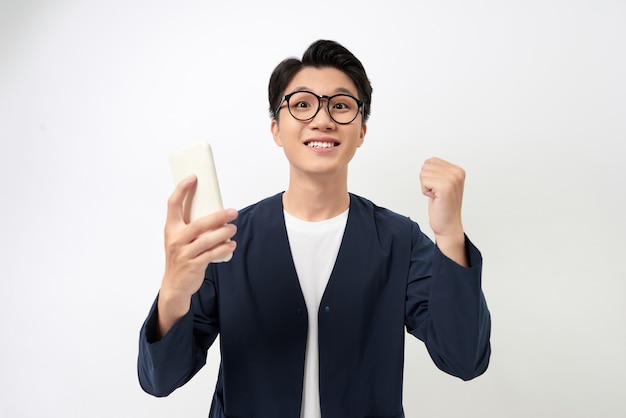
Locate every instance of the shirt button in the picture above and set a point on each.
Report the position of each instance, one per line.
(299, 311)
(327, 309)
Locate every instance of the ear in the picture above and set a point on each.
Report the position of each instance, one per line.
(276, 132)
(363, 132)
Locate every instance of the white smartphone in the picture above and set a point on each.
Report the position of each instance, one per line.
(198, 159)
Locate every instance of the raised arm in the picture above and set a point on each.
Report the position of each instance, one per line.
(447, 309)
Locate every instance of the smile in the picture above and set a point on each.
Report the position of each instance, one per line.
(321, 144)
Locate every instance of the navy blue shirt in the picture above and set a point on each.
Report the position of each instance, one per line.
(388, 277)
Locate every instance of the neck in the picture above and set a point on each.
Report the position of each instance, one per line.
(316, 199)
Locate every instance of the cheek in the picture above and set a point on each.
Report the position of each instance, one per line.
(289, 133)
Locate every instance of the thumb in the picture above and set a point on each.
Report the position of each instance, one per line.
(179, 202)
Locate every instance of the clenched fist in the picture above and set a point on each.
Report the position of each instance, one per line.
(443, 183)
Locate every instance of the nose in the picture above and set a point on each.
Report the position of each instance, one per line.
(323, 120)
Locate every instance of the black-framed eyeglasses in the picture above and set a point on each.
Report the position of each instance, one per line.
(305, 105)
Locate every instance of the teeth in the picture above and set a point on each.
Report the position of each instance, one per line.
(319, 144)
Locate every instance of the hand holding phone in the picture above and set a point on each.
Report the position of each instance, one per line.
(197, 159)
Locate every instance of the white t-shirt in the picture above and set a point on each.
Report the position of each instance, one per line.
(314, 247)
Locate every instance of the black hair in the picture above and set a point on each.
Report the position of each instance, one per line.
(321, 54)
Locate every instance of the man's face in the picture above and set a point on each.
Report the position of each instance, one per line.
(319, 146)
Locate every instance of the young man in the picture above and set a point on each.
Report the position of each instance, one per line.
(312, 308)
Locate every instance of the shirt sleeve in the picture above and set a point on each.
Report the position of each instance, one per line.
(166, 364)
(447, 310)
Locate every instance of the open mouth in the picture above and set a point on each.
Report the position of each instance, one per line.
(321, 144)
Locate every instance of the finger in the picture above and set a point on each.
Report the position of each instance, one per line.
(427, 177)
(219, 217)
(177, 198)
(428, 191)
(216, 253)
(209, 222)
(211, 240)
(435, 166)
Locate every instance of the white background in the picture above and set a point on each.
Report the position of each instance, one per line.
(528, 96)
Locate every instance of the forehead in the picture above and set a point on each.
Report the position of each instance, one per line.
(325, 81)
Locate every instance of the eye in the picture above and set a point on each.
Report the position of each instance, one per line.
(343, 103)
(303, 101)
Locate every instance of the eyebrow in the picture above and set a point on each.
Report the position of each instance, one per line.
(338, 90)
